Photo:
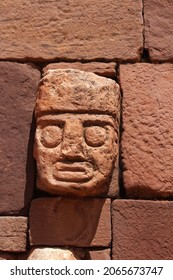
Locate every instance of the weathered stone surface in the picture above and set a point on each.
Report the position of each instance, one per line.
(142, 230)
(71, 29)
(46, 253)
(72, 90)
(70, 222)
(7, 256)
(102, 69)
(77, 132)
(147, 140)
(13, 234)
(100, 254)
(17, 98)
(158, 29)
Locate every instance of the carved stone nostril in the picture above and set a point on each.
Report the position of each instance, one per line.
(72, 154)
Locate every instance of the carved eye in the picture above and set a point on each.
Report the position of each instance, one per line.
(95, 136)
(51, 136)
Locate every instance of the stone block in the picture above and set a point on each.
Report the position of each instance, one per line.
(13, 234)
(70, 222)
(147, 138)
(85, 30)
(142, 230)
(17, 168)
(158, 29)
(76, 143)
(102, 69)
(47, 253)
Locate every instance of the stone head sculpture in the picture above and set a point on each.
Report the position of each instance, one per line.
(76, 135)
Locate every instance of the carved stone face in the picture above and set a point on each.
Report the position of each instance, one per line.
(75, 143)
(75, 153)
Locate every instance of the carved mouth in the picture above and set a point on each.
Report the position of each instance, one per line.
(73, 172)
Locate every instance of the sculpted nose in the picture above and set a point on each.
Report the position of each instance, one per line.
(72, 151)
(72, 143)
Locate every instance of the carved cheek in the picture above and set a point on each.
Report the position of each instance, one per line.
(101, 147)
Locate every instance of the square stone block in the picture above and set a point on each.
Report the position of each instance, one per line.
(142, 230)
(70, 222)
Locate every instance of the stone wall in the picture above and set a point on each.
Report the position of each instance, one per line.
(123, 43)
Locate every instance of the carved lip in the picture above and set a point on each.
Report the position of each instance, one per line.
(73, 172)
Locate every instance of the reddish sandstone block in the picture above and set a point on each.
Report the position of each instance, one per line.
(17, 100)
(102, 69)
(142, 230)
(158, 29)
(13, 234)
(147, 139)
(75, 29)
(73, 222)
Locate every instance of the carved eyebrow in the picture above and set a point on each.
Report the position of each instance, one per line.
(47, 122)
(97, 122)
(86, 119)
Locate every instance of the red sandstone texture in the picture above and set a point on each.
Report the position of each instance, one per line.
(142, 230)
(147, 139)
(158, 29)
(17, 100)
(73, 222)
(95, 29)
(13, 234)
(75, 91)
(102, 69)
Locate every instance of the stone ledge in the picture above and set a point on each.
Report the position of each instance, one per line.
(103, 69)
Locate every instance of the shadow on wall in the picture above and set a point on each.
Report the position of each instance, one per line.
(146, 192)
(68, 221)
(30, 168)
